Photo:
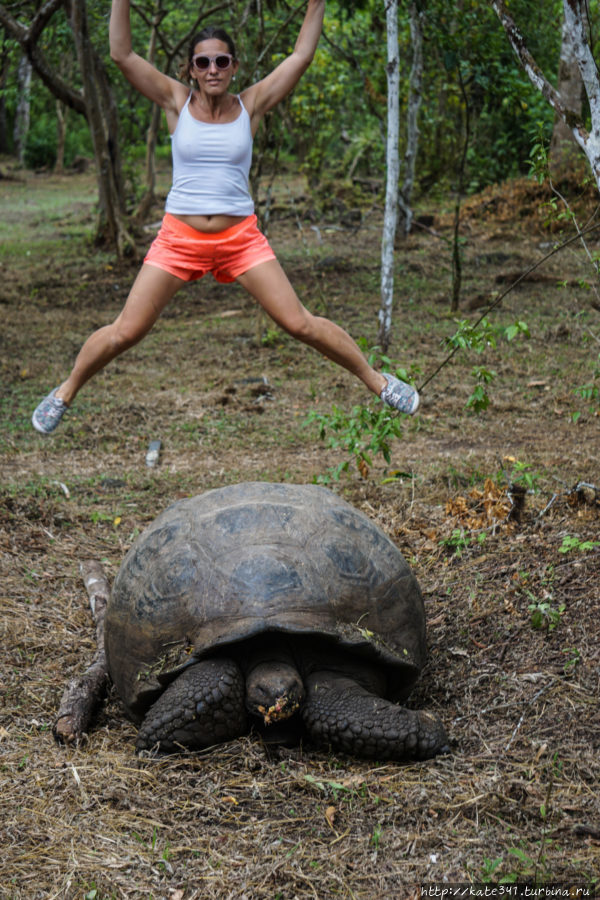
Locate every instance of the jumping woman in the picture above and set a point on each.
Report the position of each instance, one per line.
(209, 223)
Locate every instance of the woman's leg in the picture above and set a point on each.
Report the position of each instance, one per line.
(269, 284)
(151, 291)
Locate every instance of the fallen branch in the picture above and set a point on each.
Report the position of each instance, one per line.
(84, 692)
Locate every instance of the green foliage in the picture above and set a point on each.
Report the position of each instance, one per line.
(361, 434)
(544, 616)
(364, 432)
(521, 473)
(478, 337)
(590, 392)
(334, 123)
(468, 60)
(571, 542)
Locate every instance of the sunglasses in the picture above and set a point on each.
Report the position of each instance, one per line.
(222, 61)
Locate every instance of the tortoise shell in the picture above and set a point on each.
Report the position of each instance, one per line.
(240, 561)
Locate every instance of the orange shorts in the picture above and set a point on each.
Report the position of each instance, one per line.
(189, 254)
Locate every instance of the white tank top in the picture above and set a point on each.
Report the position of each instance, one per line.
(210, 166)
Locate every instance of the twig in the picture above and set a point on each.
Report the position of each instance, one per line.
(500, 298)
(522, 719)
(84, 692)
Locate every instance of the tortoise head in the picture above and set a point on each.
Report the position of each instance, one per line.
(274, 690)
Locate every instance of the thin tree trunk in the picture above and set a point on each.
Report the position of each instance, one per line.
(102, 119)
(61, 135)
(415, 96)
(393, 166)
(21, 129)
(4, 68)
(149, 195)
(460, 186)
(563, 150)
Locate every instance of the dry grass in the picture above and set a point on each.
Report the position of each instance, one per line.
(518, 797)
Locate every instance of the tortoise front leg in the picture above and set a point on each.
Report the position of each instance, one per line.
(341, 712)
(203, 706)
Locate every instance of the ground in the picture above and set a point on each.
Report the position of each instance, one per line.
(511, 580)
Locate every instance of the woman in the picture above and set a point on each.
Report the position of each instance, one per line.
(209, 225)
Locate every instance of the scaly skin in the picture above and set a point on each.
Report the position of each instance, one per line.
(203, 706)
(340, 712)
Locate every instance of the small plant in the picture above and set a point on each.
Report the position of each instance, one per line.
(489, 868)
(361, 434)
(477, 337)
(271, 337)
(590, 392)
(572, 543)
(572, 661)
(376, 836)
(544, 616)
(458, 542)
(365, 431)
(479, 399)
(522, 474)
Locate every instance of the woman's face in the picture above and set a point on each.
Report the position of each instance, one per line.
(212, 66)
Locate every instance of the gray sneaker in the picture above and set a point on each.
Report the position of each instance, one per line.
(402, 396)
(49, 413)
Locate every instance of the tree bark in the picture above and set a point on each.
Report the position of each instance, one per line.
(415, 96)
(103, 122)
(61, 136)
(576, 23)
(84, 692)
(149, 196)
(393, 166)
(564, 152)
(21, 129)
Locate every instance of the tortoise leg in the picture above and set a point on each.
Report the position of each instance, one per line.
(341, 712)
(203, 706)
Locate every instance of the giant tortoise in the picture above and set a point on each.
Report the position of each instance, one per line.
(274, 604)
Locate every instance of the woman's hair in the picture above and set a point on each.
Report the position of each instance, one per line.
(210, 31)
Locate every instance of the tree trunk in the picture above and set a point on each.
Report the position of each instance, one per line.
(564, 152)
(576, 23)
(102, 119)
(415, 97)
(460, 187)
(4, 70)
(96, 104)
(61, 135)
(393, 166)
(23, 105)
(149, 196)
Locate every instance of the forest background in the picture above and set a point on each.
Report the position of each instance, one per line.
(491, 492)
(334, 124)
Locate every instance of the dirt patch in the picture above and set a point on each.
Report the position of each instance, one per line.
(512, 597)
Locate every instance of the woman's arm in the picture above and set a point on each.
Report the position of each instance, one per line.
(265, 94)
(167, 92)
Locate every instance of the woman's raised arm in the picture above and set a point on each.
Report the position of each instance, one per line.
(265, 94)
(167, 92)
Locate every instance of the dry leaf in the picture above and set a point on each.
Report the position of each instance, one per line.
(330, 814)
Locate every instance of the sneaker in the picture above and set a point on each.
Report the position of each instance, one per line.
(49, 413)
(402, 396)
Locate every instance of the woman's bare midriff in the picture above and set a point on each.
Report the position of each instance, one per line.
(210, 224)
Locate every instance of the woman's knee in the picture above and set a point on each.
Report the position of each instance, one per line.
(302, 325)
(122, 335)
